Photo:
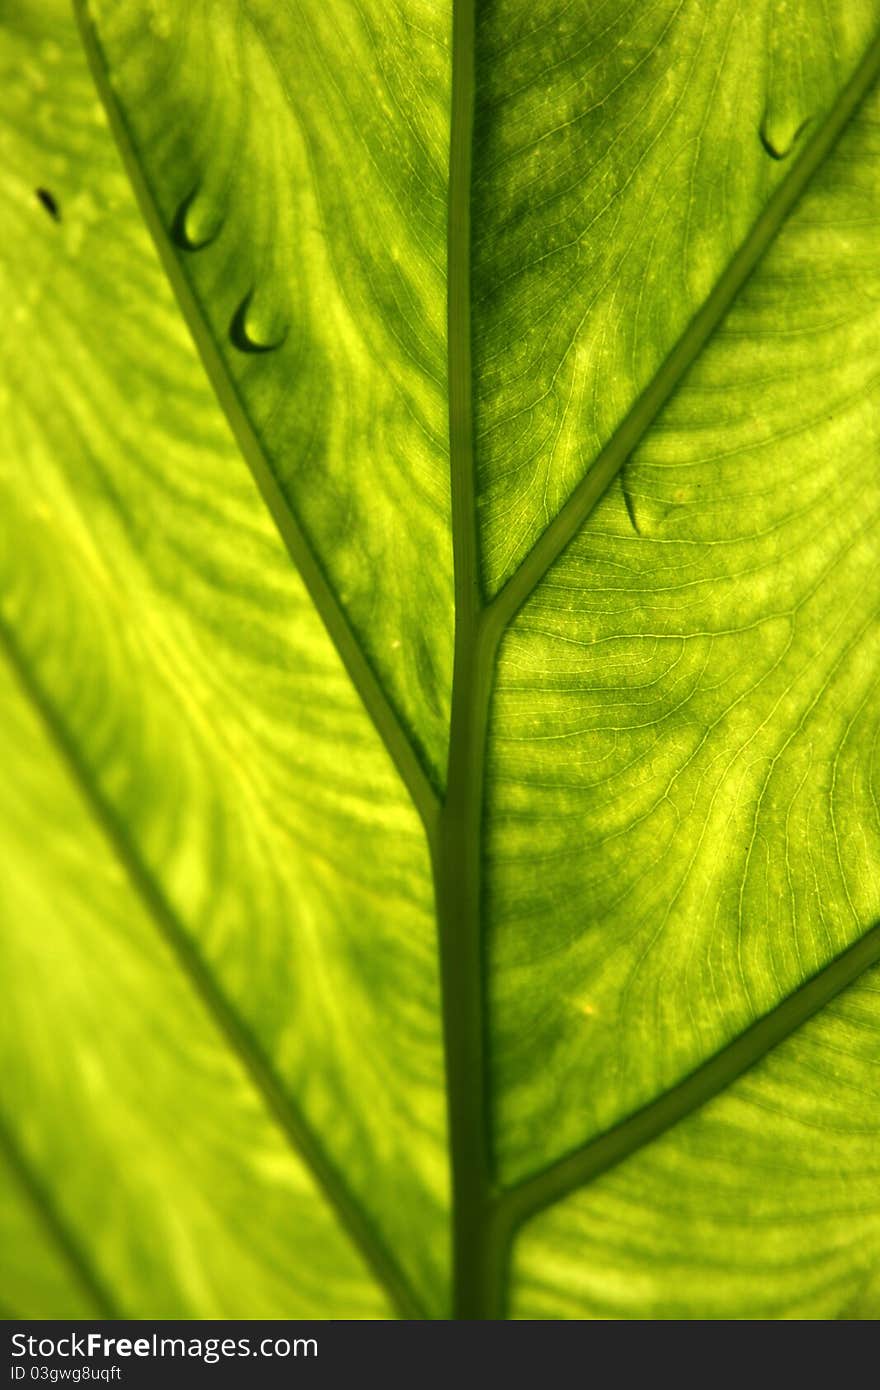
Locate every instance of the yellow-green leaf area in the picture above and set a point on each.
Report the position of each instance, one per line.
(198, 703)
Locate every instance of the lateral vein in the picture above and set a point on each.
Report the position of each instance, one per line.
(377, 704)
(43, 1204)
(228, 1023)
(516, 1204)
(644, 412)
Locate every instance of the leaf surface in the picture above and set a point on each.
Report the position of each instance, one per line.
(681, 767)
(761, 1205)
(154, 613)
(164, 1189)
(452, 740)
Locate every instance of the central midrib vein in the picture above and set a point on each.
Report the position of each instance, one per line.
(457, 845)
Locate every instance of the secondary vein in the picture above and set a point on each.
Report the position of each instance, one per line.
(379, 707)
(512, 1206)
(231, 1027)
(60, 1234)
(516, 1204)
(644, 412)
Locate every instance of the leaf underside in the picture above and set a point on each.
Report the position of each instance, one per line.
(440, 833)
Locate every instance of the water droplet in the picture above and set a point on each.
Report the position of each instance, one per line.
(249, 335)
(780, 135)
(196, 223)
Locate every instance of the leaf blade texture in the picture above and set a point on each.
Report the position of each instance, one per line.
(450, 741)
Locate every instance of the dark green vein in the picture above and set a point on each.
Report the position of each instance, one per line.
(516, 1204)
(456, 857)
(511, 1207)
(60, 1234)
(384, 716)
(230, 1027)
(644, 412)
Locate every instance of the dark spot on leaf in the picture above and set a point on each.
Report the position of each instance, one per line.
(238, 332)
(628, 503)
(49, 202)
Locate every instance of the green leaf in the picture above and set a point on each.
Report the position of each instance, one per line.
(440, 832)
(278, 894)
